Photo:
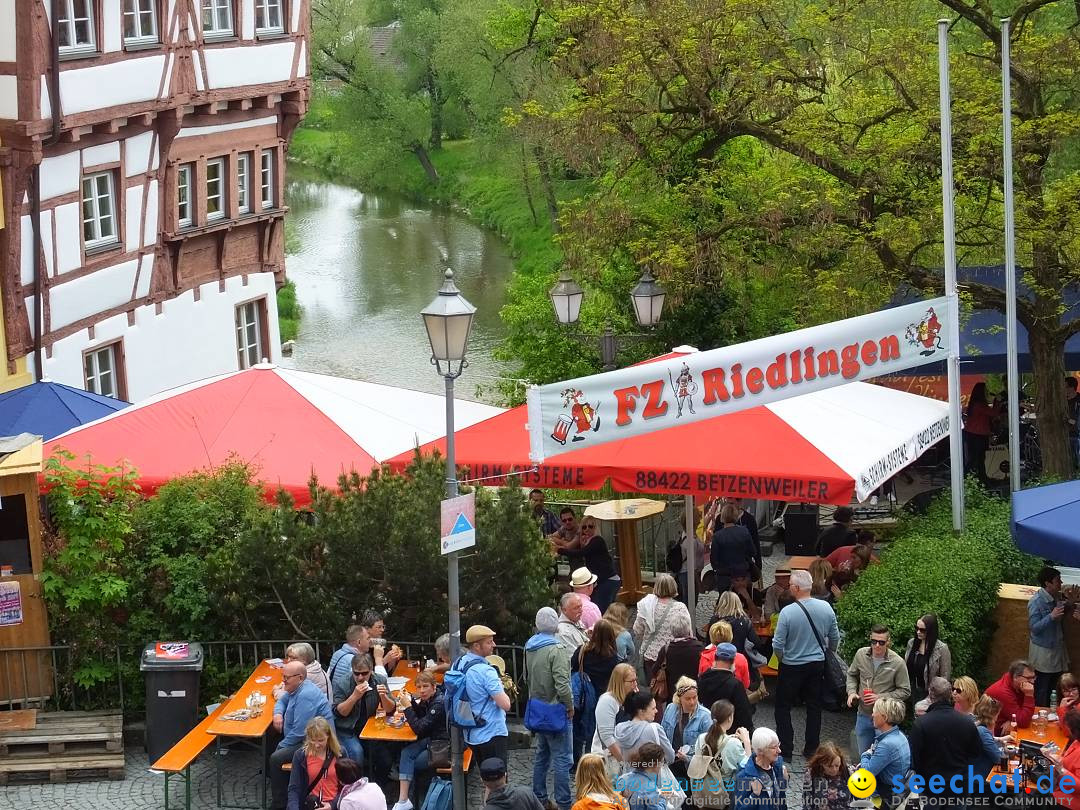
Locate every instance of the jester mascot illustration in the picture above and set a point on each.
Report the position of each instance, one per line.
(684, 389)
(926, 333)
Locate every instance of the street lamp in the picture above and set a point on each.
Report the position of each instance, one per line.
(647, 299)
(448, 320)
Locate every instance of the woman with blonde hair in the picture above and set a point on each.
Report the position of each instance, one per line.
(986, 711)
(729, 608)
(656, 619)
(313, 766)
(965, 694)
(594, 786)
(821, 575)
(623, 681)
(720, 633)
(685, 719)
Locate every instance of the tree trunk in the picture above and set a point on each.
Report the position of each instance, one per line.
(435, 98)
(549, 191)
(1047, 360)
(425, 161)
(528, 186)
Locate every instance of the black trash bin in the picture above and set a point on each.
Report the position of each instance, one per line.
(172, 672)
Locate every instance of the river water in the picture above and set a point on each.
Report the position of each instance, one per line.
(364, 266)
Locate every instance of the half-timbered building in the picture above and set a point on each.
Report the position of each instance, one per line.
(143, 165)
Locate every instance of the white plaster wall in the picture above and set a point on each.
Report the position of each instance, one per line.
(257, 64)
(82, 297)
(247, 19)
(110, 16)
(8, 52)
(9, 97)
(294, 10)
(137, 158)
(33, 327)
(146, 270)
(125, 82)
(68, 238)
(150, 227)
(26, 249)
(132, 219)
(190, 132)
(59, 175)
(168, 78)
(43, 101)
(196, 63)
(301, 69)
(102, 153)
(163, 351)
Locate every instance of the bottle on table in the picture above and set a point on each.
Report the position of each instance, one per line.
(1053, 701)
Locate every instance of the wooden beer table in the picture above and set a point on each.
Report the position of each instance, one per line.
(800, 563)
(376, 728)
(263, 679)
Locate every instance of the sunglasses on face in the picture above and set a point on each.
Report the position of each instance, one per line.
(588, 526)
(877, 642)
(920, 629)
(957, 690)
(361, 674)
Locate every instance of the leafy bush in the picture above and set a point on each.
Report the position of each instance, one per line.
(288, 312)
(927, 569)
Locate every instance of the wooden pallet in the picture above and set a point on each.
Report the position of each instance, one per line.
(61, 768)
(66, 733)
(63, 746)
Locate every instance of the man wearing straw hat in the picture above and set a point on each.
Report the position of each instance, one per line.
(583, 583)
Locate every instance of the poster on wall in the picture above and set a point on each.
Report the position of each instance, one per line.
(11, 608)
(677, 390)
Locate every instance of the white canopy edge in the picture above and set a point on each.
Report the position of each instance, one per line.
(869, 431)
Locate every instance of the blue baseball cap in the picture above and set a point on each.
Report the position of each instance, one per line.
(725, 651)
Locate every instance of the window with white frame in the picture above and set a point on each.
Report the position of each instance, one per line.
(217, 18)
(140, 22)
(103, 371)
(215, 189)
(268, 17)
(249, 332)
(243, 183)
(99, 210)
(76, 22)
(185, 176)
(266, 178)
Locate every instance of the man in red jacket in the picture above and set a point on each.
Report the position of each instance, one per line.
(1015, 691)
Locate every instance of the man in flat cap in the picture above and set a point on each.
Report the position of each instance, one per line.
(489, 700)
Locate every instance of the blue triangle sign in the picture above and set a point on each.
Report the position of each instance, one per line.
(461, 525)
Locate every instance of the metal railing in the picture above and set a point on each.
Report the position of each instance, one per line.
(66, 678)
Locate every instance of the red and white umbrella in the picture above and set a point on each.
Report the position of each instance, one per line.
(823, 447)
(287, 423)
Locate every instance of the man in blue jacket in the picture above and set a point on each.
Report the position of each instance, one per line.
(301, 702)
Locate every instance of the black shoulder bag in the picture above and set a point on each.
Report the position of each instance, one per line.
(835, 676)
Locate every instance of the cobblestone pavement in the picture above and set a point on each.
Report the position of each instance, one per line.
(240, 782)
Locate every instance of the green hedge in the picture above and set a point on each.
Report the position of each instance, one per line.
(926, 569)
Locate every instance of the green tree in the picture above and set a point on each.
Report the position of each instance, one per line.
(799, 144)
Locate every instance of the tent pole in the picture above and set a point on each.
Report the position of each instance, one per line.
(691, 558)
(1012, 372)
(956, 451)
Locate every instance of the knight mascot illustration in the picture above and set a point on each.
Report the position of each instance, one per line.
(684, 389)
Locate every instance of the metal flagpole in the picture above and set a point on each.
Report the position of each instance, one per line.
(956, 452)
(691, 558)
(1012, 372)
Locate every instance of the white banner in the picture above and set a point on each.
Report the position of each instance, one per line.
(652, 396)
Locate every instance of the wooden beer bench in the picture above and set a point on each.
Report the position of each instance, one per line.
(178, 759)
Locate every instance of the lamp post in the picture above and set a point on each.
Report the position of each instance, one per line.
(647, 299)
(448, 320)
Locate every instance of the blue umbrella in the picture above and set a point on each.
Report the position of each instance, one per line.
(48, 409)
(1045, 519)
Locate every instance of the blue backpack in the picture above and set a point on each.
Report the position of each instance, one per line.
(459, 711)
(440, 795)
(584, 700)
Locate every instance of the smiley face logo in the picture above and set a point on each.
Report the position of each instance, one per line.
(862, 783)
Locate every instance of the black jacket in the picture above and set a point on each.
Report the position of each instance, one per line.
(427, 718)
(732, 552)
(944, 741)
(681, 657)
(596, 668)
(721, 684)
(836, 536)
(750, 522)
(594, 556)
(513, 797)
